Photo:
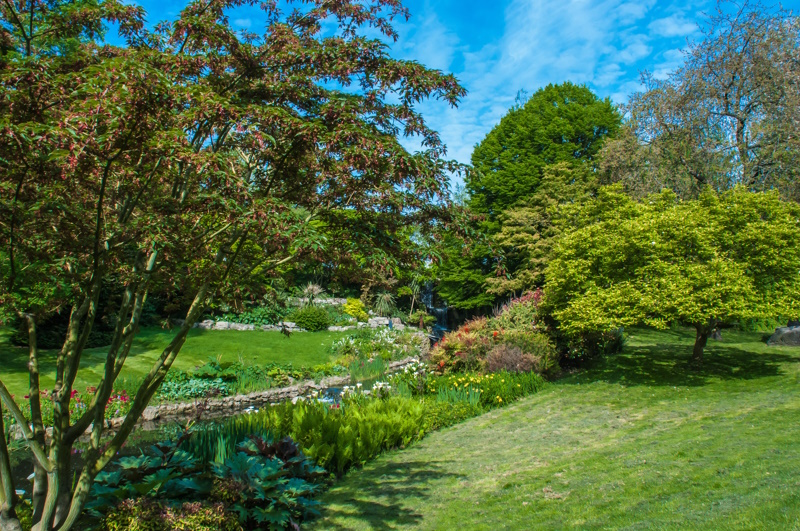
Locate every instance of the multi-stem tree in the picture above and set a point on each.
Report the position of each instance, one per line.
(188, 160)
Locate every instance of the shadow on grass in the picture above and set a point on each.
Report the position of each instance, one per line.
(391, 489)
(668, 364)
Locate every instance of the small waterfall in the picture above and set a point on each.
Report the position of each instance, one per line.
(439, 311)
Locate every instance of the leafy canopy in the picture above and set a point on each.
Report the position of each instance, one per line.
(559, 123)
(716, 259)
(197, 159)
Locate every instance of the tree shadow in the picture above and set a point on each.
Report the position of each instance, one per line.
(396, 485)
(669, 364)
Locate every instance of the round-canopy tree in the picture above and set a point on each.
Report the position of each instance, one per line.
(704, 262)
(559, 123)
(190, 160)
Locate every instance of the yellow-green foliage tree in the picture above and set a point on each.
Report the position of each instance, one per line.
(704, 262)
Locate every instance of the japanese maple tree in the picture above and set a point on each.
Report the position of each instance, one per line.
(190, 159)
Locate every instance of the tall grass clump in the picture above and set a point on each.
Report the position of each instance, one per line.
(336, 438)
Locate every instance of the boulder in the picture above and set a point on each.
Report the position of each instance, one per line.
(208, 324)
(785, 336)
(240, 326)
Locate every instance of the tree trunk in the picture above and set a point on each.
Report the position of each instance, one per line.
(700, 342)
(65, 486)
(8, 516)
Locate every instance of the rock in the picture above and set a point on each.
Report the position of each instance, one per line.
(208, 324)
(241, 326)
(785, 336)
(222, 325)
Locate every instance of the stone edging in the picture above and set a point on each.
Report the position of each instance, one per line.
(373, 322)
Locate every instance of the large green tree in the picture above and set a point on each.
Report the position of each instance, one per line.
(562, 126)
(564, 123)
(189, 160)
(704, 262)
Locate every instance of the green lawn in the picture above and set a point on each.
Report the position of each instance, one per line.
(254, 347)
(638, 441)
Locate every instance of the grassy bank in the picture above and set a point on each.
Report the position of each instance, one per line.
(637, 441)
(253, 347)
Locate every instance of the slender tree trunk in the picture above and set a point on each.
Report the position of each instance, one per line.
(701, 338)
(8, 515)
(65, 477)
(39, 474)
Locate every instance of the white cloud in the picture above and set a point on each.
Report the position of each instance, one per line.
(603, 43)
(673, 26)
(427, 40)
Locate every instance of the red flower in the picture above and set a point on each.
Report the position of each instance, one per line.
(494, 334)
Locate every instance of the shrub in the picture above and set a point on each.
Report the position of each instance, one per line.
(355, 308)
(519, 314)
(384, 343)
(312, 318)
(143, 514)
(179, 386)
(443, 414)
(384, 304)
(414, 319)
(592, 344)
(506, 357)
(270, 312)
(513, 338)
(536, 344)
(462, 350)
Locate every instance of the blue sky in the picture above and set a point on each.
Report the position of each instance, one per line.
(498, 47)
